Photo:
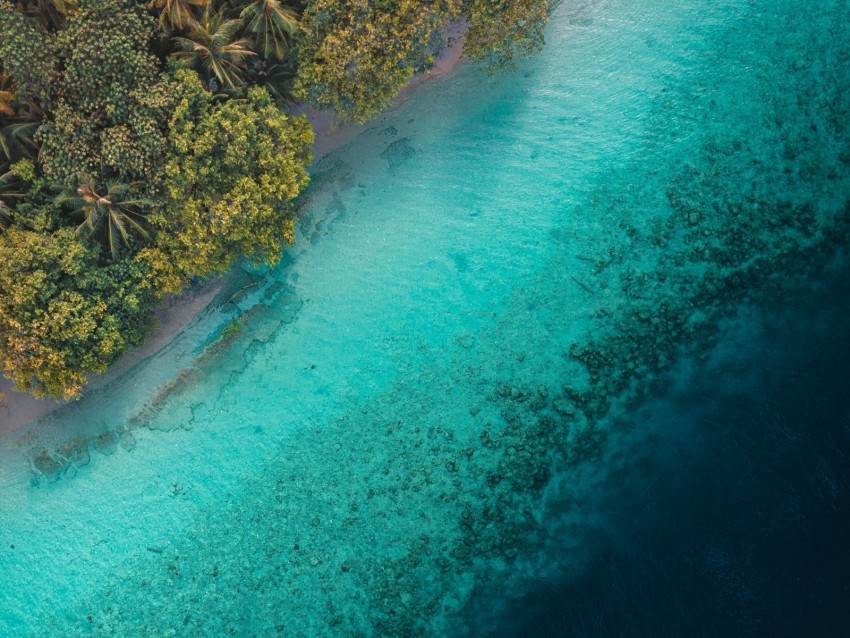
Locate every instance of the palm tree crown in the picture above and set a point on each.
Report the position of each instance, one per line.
(49, 13)
(176, 14)
(108, 214)
(212, 47)
(272, 24)
(18, 122)
(10, 190)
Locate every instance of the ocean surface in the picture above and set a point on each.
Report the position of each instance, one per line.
(561, 352)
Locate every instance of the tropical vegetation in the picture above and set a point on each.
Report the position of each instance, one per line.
(147, 143)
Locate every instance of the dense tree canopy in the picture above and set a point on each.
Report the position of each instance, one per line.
(500, 31)
(26, 52)
(221, 204)
(105, 120)
(143, 143)
(61, 316)
(355, 55)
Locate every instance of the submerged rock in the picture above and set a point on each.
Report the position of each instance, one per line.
(105, 443)
(398, 153)
(127, 441)
(564, 406)
(48, 466)
(75, 450)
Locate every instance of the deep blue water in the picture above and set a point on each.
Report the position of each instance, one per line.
(745, 529)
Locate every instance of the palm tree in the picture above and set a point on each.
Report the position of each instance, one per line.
(213, 49)
(275, 76)
(110, 216)
(7, 101)
(8, 97)
(10, 190)
(18, 122)
(16, 137)
(6, 218)
(51, 13)
(177, 14)
(272, 24)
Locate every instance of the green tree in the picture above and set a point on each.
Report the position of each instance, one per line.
(274, 76)
(233, 169)
(17, 137)
(500, 31)
(14, 179)
(9, 193)
(61, 316)
(27, 54)
(31, 203)
(106, 122)
(273, 26)
(355, 55)
(215, 50)
(19, 121)
(109, 214)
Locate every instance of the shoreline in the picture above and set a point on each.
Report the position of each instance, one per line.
(332, 133)
(18, 409)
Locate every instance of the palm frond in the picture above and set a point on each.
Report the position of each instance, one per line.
(213, 49)
(273, 26)
(108, 214)
(176, 14)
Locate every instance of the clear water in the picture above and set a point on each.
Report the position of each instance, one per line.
(525, 349)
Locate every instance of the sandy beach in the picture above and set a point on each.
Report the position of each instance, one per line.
(18, 408)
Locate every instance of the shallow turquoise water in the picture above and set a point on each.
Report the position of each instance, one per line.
(428, 401)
